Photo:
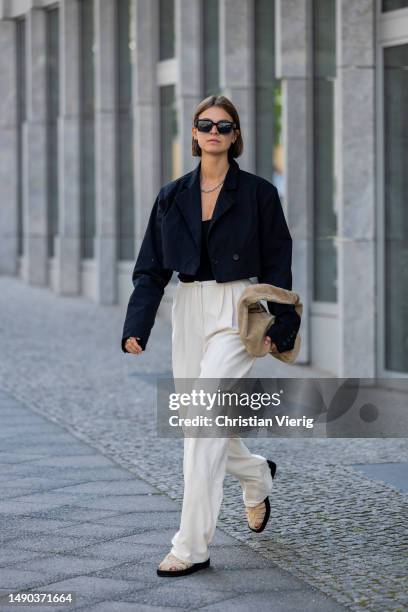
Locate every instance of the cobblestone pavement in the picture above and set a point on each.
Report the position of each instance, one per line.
(330, 525)
(73, 521)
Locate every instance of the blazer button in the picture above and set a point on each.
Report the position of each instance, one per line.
(235, 256)
(215, 261)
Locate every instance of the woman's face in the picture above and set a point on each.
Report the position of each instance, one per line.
(214, 143)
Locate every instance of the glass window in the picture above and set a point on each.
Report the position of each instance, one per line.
(393, 5)
(52, 127)
(325, 219)
(170, 146)
(167, 29)
(21, 117)
(87, 130)
(211, 51)
(395, 207)
(125, 190)
(268, 99)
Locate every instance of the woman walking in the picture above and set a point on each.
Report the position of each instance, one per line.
(217, 226)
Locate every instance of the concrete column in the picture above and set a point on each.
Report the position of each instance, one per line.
(105, 151)
(8, 150)
(237, 70)
(293, 51)
(189, 64)
(145, 26)
(35, 267)
(355, 178)
(67, 245)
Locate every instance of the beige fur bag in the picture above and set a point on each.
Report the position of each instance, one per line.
(254, 319)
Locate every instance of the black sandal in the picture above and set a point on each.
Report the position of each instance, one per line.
(195, 567)
(272, 467)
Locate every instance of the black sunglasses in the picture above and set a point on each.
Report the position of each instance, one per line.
(223, 126)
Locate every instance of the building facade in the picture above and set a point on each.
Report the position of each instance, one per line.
(97, 98)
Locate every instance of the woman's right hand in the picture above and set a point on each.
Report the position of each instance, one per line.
(132, 345)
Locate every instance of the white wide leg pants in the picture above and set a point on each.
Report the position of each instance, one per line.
(206, 344)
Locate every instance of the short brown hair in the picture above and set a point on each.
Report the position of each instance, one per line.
(236, 147)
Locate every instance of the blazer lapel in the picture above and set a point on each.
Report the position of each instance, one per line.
(189, 200)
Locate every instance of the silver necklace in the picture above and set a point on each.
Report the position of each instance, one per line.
(213, 188)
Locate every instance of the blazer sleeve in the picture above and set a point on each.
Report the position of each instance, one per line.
(149, 281)
(276, 268)
(276, 246)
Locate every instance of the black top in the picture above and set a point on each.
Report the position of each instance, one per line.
(283, 331)
(204, 271)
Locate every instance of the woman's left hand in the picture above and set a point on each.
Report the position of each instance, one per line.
(268, 342)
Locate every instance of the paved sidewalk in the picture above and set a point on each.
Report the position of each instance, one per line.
(338, 524)
(74, 521)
